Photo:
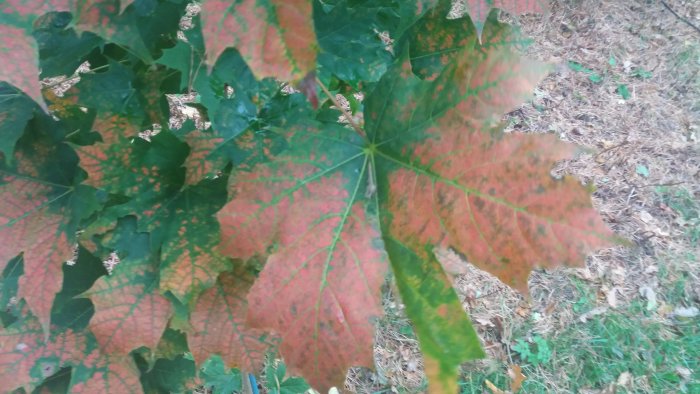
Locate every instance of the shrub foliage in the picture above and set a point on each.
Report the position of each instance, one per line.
(268, 223)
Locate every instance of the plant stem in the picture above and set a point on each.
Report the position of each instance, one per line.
(347, 115)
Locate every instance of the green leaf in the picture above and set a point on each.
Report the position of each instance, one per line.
(348, 32)
(279, 383)
(187, 234)
(431, 168)
(623, 91)
(61, 50)
(15, 112)
(218, 378)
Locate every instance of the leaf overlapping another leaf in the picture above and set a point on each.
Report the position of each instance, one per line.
(445, 176)
(276, 37)
(218, 325)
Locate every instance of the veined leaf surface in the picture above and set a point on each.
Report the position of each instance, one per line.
(32, 221)
(219, 325)
(276, 37)
(129, 311)
(27, 358)
(433, 170)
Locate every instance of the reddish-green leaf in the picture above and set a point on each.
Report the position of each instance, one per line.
(198, 163)
(129, 311)
(146, 172)
(219, 327)
(320, 289)
(103, 17)
(26, 358)
(479, 9)
(99, 373)
(275, 37)
(20, 67)
(29, 224)
(435, 170)
(189, 235)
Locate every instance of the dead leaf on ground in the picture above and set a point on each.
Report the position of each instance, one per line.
(516, 374)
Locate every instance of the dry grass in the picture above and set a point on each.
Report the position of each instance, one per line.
(642, 152)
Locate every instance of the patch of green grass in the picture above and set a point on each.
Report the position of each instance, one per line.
(593, 354)
(688, 208)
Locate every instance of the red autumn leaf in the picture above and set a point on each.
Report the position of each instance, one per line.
(320, 289)
(29, 224)
(129, 310)
(276, 38)
(219, 327)
(20, 65)
(26, 357)
(106, 161)
(198, 163)
(479, 9)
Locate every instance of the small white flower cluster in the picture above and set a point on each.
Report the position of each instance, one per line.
(111, 262)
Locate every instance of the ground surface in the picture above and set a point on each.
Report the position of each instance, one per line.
(626, 86)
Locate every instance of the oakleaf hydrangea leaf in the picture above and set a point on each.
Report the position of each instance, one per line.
(275, 37)
(434, 170)
(219, 326)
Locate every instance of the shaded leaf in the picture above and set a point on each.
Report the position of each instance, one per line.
(348, 32)
(129, 311)
(218, 322)
(275, 37)
(198, 163)
(15, 111)
(61, 50)
(187, 233)
(103, 18)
